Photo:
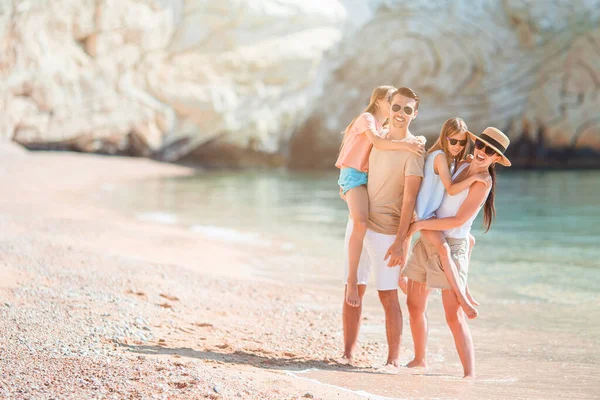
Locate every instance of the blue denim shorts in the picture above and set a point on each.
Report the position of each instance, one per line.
(351, 178)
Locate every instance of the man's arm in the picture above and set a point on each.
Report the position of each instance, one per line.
(411, 189)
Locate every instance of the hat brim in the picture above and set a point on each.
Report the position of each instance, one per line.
(505, 161)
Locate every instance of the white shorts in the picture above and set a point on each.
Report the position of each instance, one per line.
(375, 246)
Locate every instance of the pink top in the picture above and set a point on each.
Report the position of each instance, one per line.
(356, 149)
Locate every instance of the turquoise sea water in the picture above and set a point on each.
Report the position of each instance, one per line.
(546, 234)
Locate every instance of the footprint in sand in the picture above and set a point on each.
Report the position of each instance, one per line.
(169, 297)
(203, 324)
(139, 293)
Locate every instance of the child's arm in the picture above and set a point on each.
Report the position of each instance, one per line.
(413, 144)
(454, 188)
(469, 207)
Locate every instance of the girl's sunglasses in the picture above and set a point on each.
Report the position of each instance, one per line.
(453, 142)
(407, 109)
(479, 145)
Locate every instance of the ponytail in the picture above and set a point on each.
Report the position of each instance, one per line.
(489, 211)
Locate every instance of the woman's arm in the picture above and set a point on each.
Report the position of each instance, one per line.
(469, 207)
(412, 144)
(444, 173)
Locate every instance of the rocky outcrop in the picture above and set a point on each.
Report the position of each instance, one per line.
(86, 75)
(228, 82)
(529, 68)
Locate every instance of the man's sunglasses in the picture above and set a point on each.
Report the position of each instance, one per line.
(453, 142)
(479, 145)
(407, 109)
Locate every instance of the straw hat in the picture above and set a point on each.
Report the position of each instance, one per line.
(495, 139)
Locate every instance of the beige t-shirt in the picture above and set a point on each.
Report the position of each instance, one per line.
(387, 172)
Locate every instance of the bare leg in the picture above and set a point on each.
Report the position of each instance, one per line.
(393, 324)
(474, 302)
(467, 292)
(358, 204)
(457, 322)
(450, 270)
(416, 301)
(351, 321)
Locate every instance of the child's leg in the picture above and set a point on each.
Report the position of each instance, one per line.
(467, 292)
(358, 204)
(437, 239)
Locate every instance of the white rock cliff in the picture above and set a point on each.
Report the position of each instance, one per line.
(282, 78)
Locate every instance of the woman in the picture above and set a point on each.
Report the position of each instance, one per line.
(449, 150)
(454, 217)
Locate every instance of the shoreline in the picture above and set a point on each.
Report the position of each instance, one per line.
(563, 159)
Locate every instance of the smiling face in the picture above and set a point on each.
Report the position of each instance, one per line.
(405, 111)
(482, 159)
(460, 140)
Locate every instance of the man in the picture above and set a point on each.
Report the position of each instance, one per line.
(393, 184)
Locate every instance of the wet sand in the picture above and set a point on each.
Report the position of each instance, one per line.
(94, 303)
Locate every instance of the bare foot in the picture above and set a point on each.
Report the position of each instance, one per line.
(403, 283)
(416, 364)
(469, 310)
(470, 375)
(345, 360)
(352, 297)
(470, 298)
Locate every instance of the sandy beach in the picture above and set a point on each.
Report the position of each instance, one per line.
(98, 304)
(94, 305)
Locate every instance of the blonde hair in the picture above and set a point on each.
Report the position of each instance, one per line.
(452, 126)
(379, 93)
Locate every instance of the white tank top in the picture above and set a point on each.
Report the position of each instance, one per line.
(450, 206)
(431, 191)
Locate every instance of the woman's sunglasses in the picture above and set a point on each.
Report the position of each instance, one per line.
(479, 145)
(407, 109)
(453, 142)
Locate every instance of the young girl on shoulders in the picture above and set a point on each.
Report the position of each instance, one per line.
(360, 136)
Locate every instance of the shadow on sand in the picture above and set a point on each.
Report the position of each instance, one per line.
(293, 364)
(290, 364)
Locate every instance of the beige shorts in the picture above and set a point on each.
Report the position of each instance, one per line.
(424, 263)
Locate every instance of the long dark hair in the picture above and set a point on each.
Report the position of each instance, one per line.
(489, 211)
